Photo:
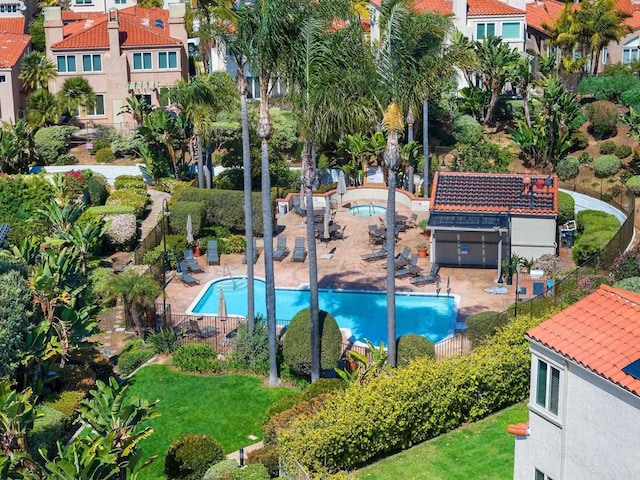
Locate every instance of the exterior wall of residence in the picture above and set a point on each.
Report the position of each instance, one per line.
(532, 237)
(461, 248)
(615, 50)
(595, 434)
(518, 43)
(102, 6)
(9, 94)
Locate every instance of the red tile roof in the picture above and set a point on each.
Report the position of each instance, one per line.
(485, 8)
(136, 25)
(494, 192)
(601, 332)
(539, 12)
(12, 24)
(444, 7)
(12, 46)
(634, 20)
(71, 16)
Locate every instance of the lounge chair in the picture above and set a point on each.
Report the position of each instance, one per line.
(339, 234)
(194, 329)
(402, 260)
(255, 254)
(299, 253)
(190, 262)
(411, 223)
(184, 276)
(497, 290)
(281, 249)
(297, 207)
(425, 279)
(411, 269)
(213, 257)
(379, 255)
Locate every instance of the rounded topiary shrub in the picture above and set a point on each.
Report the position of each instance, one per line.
(607, 166)
(585, 158)
(190, 455)
(579, 141)
(133, 356)
(568, 168)
(603, 116)
(412, 346)
(608, 147)
(622, 151)
(566, 208)
(266, 457)
(296, 347)
(322, 386)
(482, 326)
(634, 184)
(632, 284)
(197, 357)
(105, 155)
(466, 129)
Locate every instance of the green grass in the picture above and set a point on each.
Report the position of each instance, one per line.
(481, 450)
(228, 408)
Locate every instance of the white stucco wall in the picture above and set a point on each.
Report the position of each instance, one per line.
(532, 237)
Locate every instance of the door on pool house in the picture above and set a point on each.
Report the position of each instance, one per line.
(463, 248)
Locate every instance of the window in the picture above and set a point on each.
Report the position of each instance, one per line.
(142, 61)
(511, 30)
(98, 107)
(158, 23)
(485, 30)
(120, 2)
(605, 55)
(167, 60)
(541, 476)
(3, 79)
(629, 55)
(83, 2)
(146, 98)
(66, 63)
(8, 8)
(548, 387)
(92, 63)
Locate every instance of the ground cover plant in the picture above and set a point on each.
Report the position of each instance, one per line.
(227, 408)
(448, 456)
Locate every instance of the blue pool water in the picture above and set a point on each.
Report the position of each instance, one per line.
(363, 312)
(367, 210)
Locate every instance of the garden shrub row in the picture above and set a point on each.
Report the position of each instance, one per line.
(197, 358)
(180, 211)
(121, 232)
(134, 355)
(132, 198)
(411, 405)
(566, 208)
(607, 166)
(595, 230)
(224, 207)
(20, 197)
(610, 148)
(133, 182)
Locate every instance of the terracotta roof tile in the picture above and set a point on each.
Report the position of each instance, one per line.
(539, 12)
(12, 46)
(71, 16)
(493, 192)
(12, 24)
(484, 8)
(444, 7)
(601, 332)
(519, 429)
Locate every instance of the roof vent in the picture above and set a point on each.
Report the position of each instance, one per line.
(158, 23)
(88, 23)
(633, 369)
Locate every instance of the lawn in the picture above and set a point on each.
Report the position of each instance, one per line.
(482, 450)
(228, 408)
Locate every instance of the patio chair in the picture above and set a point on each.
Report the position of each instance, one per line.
(425, 279)
(190, 262)
(184, 276)
(402, 260)
(299, 253)
(281, 249)
(411, 269)
(213, 257)
(376, 239)
(255, 254)
(194, 329)
(411, 223)
(379, 255)
(297, 206)
(339, 234)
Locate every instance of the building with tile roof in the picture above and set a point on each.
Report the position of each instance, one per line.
(13, 47)
(584, 405)
(478, 219)
(131, 51)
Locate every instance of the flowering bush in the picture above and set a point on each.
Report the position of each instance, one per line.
(548, 263)
(121, 231)
(626, 265)
(591, 282)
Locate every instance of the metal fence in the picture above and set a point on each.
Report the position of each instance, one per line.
(151, 241)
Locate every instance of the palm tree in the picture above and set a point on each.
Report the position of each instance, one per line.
(36, 71)
(76, 93)
(138, 108)
(523, 78)
(42, 108)
(83, 239)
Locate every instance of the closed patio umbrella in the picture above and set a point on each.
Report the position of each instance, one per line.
(327, 215)
(222, 306)
(342, 185)
(189, 230)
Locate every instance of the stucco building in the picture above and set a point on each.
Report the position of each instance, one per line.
(584, 406)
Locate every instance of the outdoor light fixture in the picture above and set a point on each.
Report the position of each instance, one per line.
(242, 457)
(165, 215)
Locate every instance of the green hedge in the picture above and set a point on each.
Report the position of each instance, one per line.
(101, 211)
(484, 325)
(416, 403)
(607, 166)
(178, 217)
(566, 208)
(130, 198)
(413, 346)
(134, 355)
(48, 428)
(634, 184)
(595, 229)
(134, 182)
(568, 168)
(197, 357)
(225, 207)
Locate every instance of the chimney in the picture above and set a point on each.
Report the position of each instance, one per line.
(460, 14)
(177, 29)
(52, 26)
(113, 29)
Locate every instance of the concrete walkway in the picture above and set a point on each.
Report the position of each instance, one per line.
(249, 448)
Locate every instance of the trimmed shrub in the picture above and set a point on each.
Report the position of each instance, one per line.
(566, 208)
(66, 159)
(224, 207)
(484, 325)
(47, 429)
(595, 229)
(296, 347)
(52, 142)
(133, 356)
(268, 457)
(626, 265)
(603, 116)
(96, 190)
(579, 141)
(99, 144)
(65, 402)
(634, 184)
(466, 129)
(608, 147)
(222, 470)
(585, 158)
(622, 151)
(170, 184)
(133, 182)
(196, 357)
(179, 213)
(105, 155)
(414, 346)
(190, 455)
(568, 168)
(282, 405)
(607, 166)
(121, 232)
(322, 386)
(130, 198)
(416, 403)
(632, 284)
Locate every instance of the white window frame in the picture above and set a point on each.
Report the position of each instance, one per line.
(168, 56)
(83, 2)
(518, 36)
(92, 57)
(92, 111)
(485, 25)
(545, 397)
(540, 475)
(605, 55)
(142, 57)
(66, 63)
(632, 55)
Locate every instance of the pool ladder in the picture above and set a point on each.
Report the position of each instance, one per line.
(226, 272)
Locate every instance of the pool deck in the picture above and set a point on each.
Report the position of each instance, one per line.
(346, 270)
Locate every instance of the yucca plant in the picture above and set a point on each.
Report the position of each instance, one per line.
(167, 340)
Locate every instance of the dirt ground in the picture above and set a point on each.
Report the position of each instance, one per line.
(85, 158)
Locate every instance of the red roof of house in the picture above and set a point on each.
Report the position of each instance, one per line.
(12, 24)
(475, 8)
(136, 26)
(494, 192)
(71, 16)
(12, 46)
(539, 12)
(601, 332)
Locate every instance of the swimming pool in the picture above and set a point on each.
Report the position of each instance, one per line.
(367, 210)
(364, 313)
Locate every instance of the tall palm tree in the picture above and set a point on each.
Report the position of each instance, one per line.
(43, 108)
(76, 93)
(36, 71)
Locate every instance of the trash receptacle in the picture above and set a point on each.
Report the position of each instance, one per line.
(283, 208)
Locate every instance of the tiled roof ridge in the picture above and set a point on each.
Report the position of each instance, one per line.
(482, 8)
(10, 56)
(150, 30)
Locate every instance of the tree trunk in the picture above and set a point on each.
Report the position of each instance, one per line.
(425, 146)
(265, 130)
(596, 61)
(525, 105)
(308, 178)
(492, 105)
(391, 155)
(248, 200)
(200, 163)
